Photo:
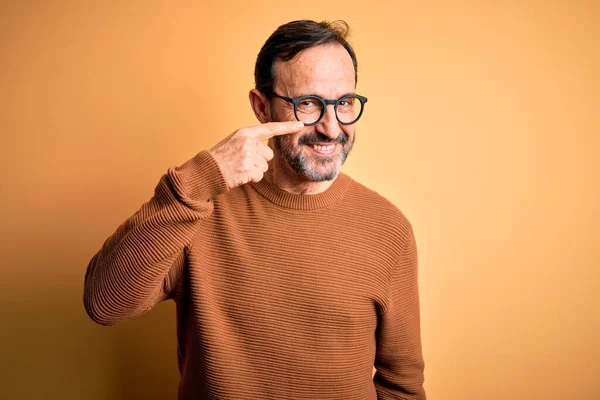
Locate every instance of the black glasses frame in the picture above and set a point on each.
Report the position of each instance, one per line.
(295, 101)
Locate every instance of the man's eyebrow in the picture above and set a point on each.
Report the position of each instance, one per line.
(322, 97)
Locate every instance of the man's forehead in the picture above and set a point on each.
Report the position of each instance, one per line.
(322, 69)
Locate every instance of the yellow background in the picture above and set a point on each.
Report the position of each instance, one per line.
(482, 126)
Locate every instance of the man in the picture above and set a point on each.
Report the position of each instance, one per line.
(291, 280)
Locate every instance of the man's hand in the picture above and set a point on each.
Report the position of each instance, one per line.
(242, 156)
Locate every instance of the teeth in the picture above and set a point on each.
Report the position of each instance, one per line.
(324, 148)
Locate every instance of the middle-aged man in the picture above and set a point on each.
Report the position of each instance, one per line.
(291, 280)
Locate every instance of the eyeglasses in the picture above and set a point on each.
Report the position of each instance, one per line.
(311, 109)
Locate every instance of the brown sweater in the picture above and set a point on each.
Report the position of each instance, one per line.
(278, 296)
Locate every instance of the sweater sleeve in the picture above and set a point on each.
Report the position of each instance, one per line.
(399, 361)
(138, 265)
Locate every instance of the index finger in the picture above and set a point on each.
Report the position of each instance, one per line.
(270, 129)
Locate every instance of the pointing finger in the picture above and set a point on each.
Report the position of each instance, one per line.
(270, 129)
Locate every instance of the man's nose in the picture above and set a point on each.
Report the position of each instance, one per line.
(329, 125)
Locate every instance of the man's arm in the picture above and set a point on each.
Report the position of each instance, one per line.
(399, 359)
(130, 273)
(139, 264)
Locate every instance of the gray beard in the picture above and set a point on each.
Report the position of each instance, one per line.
(305, 167)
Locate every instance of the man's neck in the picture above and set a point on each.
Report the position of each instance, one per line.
(285, 178)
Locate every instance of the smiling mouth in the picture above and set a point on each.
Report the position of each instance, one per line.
(323, 149)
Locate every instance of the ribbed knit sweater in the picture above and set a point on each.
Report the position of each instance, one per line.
(278, 296)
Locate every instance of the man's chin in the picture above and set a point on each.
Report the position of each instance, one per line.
(321, 171)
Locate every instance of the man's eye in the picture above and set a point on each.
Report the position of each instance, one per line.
(309, 105)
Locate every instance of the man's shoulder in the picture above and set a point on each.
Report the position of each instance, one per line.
(374, 205)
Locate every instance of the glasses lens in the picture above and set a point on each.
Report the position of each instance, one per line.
(309, 110)
(348, 109)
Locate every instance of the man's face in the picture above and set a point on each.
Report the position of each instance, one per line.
(316, 153)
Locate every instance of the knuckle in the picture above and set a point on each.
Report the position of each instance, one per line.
(247, 165)
(266, 152)
(270, 154)
(248, 144)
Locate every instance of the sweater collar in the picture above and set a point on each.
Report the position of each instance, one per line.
(304, 202)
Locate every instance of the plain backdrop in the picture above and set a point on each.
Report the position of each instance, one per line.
(482, 126)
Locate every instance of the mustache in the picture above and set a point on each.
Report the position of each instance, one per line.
(312, 138)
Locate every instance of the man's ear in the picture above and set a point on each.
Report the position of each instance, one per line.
(260, 105)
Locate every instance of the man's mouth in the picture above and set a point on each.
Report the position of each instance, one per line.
(323, 149)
